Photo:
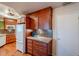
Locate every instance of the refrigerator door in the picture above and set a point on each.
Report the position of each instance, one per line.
(20, 37)
(20, 47)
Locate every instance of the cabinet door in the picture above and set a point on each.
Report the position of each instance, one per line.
(10, 38)
(29, 46)
(45, 19)
(10, 21)
(27, 22)
(39, 48)
(35, 48)
(43, 49)
(32, 22)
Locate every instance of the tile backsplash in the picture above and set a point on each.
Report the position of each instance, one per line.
(44, 32)
(48, 33)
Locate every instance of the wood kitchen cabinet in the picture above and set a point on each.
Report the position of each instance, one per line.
(10, 38)
(29, 46)
(10, 35)
(41, 48)
(27, 21)
(10, 21)
(31, 22)
(38, 48)
(44, 18)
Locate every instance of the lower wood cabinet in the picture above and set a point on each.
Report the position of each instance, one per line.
(29, 46)
(10, 38)
(38, 48)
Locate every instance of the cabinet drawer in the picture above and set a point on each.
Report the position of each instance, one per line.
(43, 45)
(29, 40)
(29, 45)
(35, 45)
(43, 49)
(35, 42)
(36, 48)
(40, 43)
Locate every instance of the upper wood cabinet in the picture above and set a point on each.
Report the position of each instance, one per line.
(10, 35)
(27, 20)
(10, 21)
(31, 22)
(44, 18)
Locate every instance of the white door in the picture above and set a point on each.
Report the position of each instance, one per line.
(67, 35)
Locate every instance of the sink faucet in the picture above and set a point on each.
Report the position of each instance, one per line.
(39, 32)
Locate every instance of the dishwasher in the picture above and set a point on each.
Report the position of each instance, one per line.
(2, 39)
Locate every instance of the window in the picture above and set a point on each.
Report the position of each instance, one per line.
(1, 24)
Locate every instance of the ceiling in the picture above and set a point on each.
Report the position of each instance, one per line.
(27, 7)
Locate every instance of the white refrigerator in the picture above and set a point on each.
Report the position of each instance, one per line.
(20, 37)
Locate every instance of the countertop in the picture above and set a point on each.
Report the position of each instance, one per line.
(1, 35)
(42, 39)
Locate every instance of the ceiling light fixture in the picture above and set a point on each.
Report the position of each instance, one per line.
(8, 12)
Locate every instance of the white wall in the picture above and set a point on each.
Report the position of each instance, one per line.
(66, 23)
